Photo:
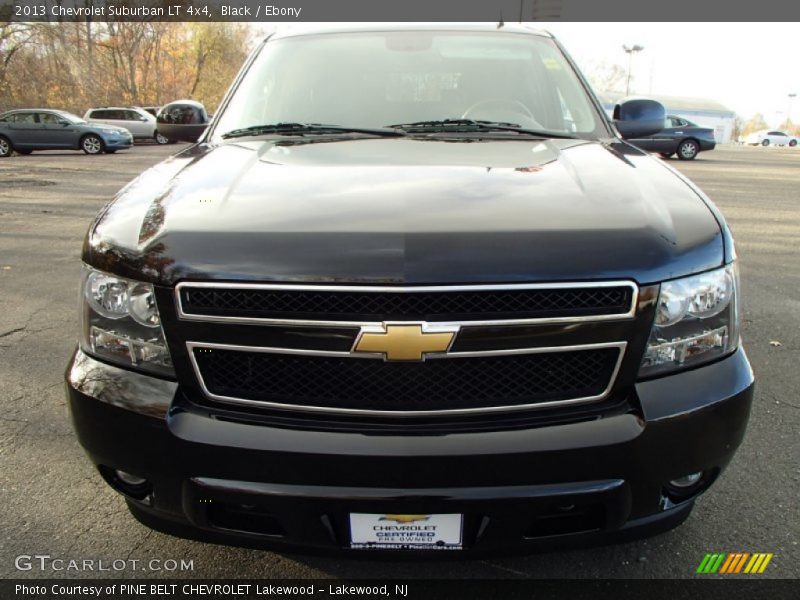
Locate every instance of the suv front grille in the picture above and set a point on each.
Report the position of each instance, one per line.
(298, 347)
(357, 304)
(344, 383)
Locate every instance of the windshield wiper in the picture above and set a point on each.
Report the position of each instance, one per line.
(310, 128)
(471, 125)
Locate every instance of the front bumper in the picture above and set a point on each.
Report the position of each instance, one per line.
(118, 142)
(519, 490)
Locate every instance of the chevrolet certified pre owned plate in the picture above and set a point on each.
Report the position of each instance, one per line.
(406, 532)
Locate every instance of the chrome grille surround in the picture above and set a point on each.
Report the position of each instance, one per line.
(192, 346)
(627, 313)
(456, 326)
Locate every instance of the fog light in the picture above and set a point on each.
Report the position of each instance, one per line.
(129, 484)
(686, 481)
(130, 479)
(689, 486)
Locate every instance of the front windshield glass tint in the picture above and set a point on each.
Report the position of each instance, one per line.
(375, 79)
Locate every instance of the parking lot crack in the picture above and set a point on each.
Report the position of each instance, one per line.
(26, 329)
(138, 544)
(505, 569)
(11, 420)
(12, 331)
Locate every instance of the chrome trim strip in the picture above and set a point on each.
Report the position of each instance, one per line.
(629, 314)
(190, 346)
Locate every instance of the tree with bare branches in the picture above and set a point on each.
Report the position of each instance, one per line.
(77, 65)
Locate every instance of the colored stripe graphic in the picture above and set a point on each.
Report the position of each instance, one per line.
(758, 563)
(766, 562)
(717, 563)
(731, 560)
(711, 563)
(704, 563)
(734, 562)
(740, 564)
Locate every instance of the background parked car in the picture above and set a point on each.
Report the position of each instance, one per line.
(771, 138)
(26, 130)
(138, 121)
(679, 136)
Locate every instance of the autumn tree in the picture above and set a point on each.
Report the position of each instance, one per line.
(789, 127)
(217, 47)
(737, 128)
(78, 65)
(607, 77)
(757, 123)
(13, 39)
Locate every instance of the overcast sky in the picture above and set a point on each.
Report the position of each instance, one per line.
(748, 67)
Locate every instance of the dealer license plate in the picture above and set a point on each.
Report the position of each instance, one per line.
(406, 532)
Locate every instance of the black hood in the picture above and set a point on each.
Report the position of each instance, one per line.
(407, 211)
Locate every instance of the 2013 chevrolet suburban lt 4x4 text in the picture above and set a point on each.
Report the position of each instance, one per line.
(410, 291)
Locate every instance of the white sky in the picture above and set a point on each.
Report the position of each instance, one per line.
(748, 67)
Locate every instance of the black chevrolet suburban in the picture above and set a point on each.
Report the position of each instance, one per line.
(410, 291)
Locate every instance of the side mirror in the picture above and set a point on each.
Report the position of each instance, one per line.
(639, 117)
(184, 120)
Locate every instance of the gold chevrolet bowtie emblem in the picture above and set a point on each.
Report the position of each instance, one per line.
(404, 342)
(405, 518)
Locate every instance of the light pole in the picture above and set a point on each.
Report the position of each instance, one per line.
(630, 51)
(789, 109)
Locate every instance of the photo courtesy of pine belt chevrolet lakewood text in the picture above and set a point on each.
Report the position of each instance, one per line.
(410, 290)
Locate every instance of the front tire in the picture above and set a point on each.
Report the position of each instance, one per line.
(765, 143)
(792, 143)
(92, 144)
(688, 149)
(5, 147)
(160, 139)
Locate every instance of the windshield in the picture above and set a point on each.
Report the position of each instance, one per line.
(378, 79)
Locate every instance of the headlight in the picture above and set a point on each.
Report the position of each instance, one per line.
(110, 131)
(120, 322)
(697, 320)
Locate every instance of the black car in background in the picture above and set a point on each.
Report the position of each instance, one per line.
(679, 136)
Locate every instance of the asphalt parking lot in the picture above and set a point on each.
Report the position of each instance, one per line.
(53, 502)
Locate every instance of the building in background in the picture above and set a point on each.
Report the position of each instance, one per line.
(702, 111)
